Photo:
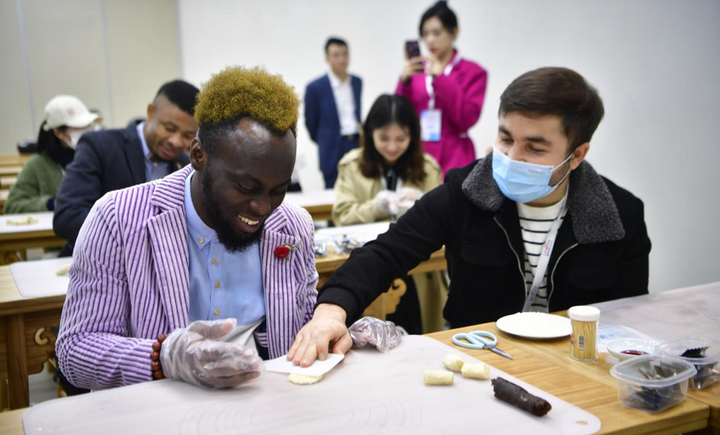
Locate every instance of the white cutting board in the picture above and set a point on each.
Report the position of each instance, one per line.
(44, 223)
(35, 279)
(368, 393)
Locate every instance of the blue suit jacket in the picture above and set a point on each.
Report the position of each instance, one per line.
(321, 119)
(104, 161)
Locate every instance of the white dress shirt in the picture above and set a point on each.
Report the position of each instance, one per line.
(345, 103)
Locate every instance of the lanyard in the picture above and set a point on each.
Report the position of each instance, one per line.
(398, 185)
(428, 79)
(544, 259)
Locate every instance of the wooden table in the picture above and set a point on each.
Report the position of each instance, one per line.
(25, 324)
(4, 193)
(318, 203)
(10, 170)
(15, 240)
(6, 182)
(25, 337)
(673, 315)
(14, 159)
(547, 365)
(387, 302)
(11, 422)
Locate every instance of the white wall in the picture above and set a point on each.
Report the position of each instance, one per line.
(655, 62)
(112, 54)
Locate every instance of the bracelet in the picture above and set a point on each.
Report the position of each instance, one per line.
(155, 365)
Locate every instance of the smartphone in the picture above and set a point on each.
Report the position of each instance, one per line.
(412, 48)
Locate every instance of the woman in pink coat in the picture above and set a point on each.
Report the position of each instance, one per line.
(446, 90)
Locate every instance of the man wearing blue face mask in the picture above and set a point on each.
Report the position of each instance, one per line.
(532, 227)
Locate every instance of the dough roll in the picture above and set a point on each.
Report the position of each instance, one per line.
(453, 362)
(438, 377)
(519, 397)
(478, 370)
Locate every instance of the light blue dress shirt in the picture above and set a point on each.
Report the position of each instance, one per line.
(153, 170)
(222, 284)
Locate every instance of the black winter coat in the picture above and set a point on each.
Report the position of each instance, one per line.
(601, 252)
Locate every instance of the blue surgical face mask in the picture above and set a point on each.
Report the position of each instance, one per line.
(521, 181)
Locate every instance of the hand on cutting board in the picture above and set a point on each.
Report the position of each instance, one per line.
(326, 330)
(197, 355)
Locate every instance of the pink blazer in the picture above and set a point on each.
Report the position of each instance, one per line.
(129, 282)
(460, 96)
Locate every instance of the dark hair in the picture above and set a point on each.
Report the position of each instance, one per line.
(181, 94)
(443, 13)
(560, 92)
(46, 139)
(333, 40)
(389, 109)
(210, 135)
(53, 147)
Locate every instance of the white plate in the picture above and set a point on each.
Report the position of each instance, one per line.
(616, 347)
(535, 325)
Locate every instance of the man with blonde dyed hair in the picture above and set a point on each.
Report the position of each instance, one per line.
(197, 275)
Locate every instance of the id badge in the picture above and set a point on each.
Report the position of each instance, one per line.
(431, 125)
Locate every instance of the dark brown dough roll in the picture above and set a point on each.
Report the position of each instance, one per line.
(517, 396)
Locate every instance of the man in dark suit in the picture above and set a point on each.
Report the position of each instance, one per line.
(119, 158)
(332, 110)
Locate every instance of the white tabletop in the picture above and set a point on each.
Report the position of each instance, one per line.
(365, 231)
(310, 199)
(44, 223)
(669, 315)
(35, 279)
(368, 393)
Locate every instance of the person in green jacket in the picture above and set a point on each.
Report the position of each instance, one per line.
(66, 119)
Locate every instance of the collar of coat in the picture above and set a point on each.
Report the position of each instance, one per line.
(169, 193)
(595, 218)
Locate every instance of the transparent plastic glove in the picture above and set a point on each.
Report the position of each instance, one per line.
(197, 354)
(406, 199)
(386, 203)
(383, 335)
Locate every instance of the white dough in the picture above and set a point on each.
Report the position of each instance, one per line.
(438, 377)
(25, 220)
(453, 362)
(478, 370)
(299, 379)
(63, 270)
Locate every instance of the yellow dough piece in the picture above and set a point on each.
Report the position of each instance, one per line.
(453, 362)
(25, 220)
(299, 379)
(478, 370)
(63, 271)
(438, 377)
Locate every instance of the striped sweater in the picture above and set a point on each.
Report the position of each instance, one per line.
(129, 282)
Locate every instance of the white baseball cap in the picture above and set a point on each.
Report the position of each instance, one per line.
(68, 111)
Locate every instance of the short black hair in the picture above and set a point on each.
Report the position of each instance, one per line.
(443, 13)
(181, 94)
(333, 40)
(558, 92)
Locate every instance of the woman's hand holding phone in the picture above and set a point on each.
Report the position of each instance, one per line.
(413, 60)
(411, 67)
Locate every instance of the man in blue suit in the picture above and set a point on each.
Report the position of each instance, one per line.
(332, 110)
(119, 158)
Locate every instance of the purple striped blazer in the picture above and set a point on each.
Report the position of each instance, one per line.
(129, 282)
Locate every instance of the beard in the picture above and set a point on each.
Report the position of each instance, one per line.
(232, 240)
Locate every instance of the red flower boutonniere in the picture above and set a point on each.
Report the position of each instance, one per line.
(284, 250)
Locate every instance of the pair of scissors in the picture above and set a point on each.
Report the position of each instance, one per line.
(479, 340)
